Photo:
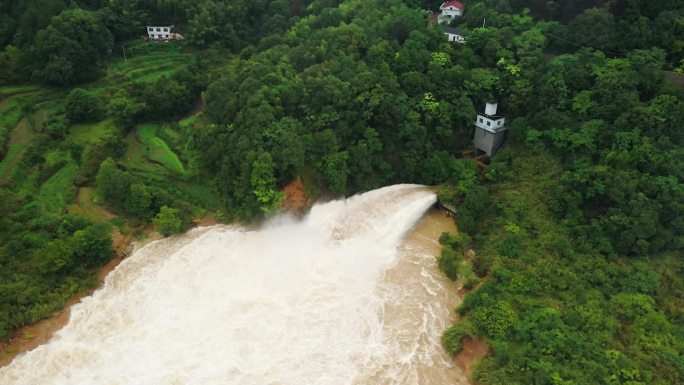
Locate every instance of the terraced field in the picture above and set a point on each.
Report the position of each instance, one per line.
(149, 153)
(86, 207)
(151, 148)
(20, 137)
(91, 132)
(58, 191)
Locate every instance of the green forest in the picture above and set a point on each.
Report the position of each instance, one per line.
(577, 222)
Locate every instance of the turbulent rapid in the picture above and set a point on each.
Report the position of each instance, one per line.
(343, 296)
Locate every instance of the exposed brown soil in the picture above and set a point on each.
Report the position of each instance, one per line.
(120, 244)
(296, 199)
(207, 220)
(473, 351)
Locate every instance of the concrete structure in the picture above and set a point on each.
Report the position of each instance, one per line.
(454, 35)
(490, 130)
(162, 32)
(450, 11)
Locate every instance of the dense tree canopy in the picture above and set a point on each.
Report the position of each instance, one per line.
(71, 49)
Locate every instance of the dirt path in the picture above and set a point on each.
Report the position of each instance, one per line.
(675, 78)
(207, 220)
(85, 207)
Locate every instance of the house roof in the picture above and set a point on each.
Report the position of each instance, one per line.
(452, 30)
(454, 4)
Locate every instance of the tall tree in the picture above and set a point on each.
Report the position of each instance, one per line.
(71, 49)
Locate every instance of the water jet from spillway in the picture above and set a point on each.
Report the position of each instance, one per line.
(340, 297)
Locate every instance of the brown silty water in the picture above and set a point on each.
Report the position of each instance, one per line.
(421, 306)
(349, 295)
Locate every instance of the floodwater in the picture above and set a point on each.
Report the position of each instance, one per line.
(348, 295)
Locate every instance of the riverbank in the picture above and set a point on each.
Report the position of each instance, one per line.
(471, 354)
(31, 336)
(433, 224)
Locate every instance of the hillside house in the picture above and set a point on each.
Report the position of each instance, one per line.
(454, 35)
(450, 11)
(162, 32)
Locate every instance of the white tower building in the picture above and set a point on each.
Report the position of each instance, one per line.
(490, 130)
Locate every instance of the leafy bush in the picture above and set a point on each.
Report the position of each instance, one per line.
(81, 106)
(496, 320)
(451, 339)
(449, 261)
(482, 263)
(169, 221)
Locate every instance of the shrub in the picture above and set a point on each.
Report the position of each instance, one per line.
(56, 128)
(482, 264)
(451, 339)
(449, 261)
(168, 221)
(92, 246)
(496, 320)
(470, 283)
(448, 239)
(81, 106)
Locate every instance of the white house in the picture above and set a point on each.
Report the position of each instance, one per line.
(450, 11)
(454, 35)
(490, 130)
(162, 32)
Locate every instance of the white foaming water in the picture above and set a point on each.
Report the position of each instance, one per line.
(334, 299)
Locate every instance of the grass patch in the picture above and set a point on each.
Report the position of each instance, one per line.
(59, 190)
(22, 133)
(202, 195)
(91, 132)
(136, 157)
(10, 114)
(20, 137)
(13, 154)
(151, 74)
(157, 150)
(188, 122)
(85, 207)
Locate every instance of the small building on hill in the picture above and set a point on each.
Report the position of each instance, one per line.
(450, 11)
(162, 32)
(454, 34)
(490, 130)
